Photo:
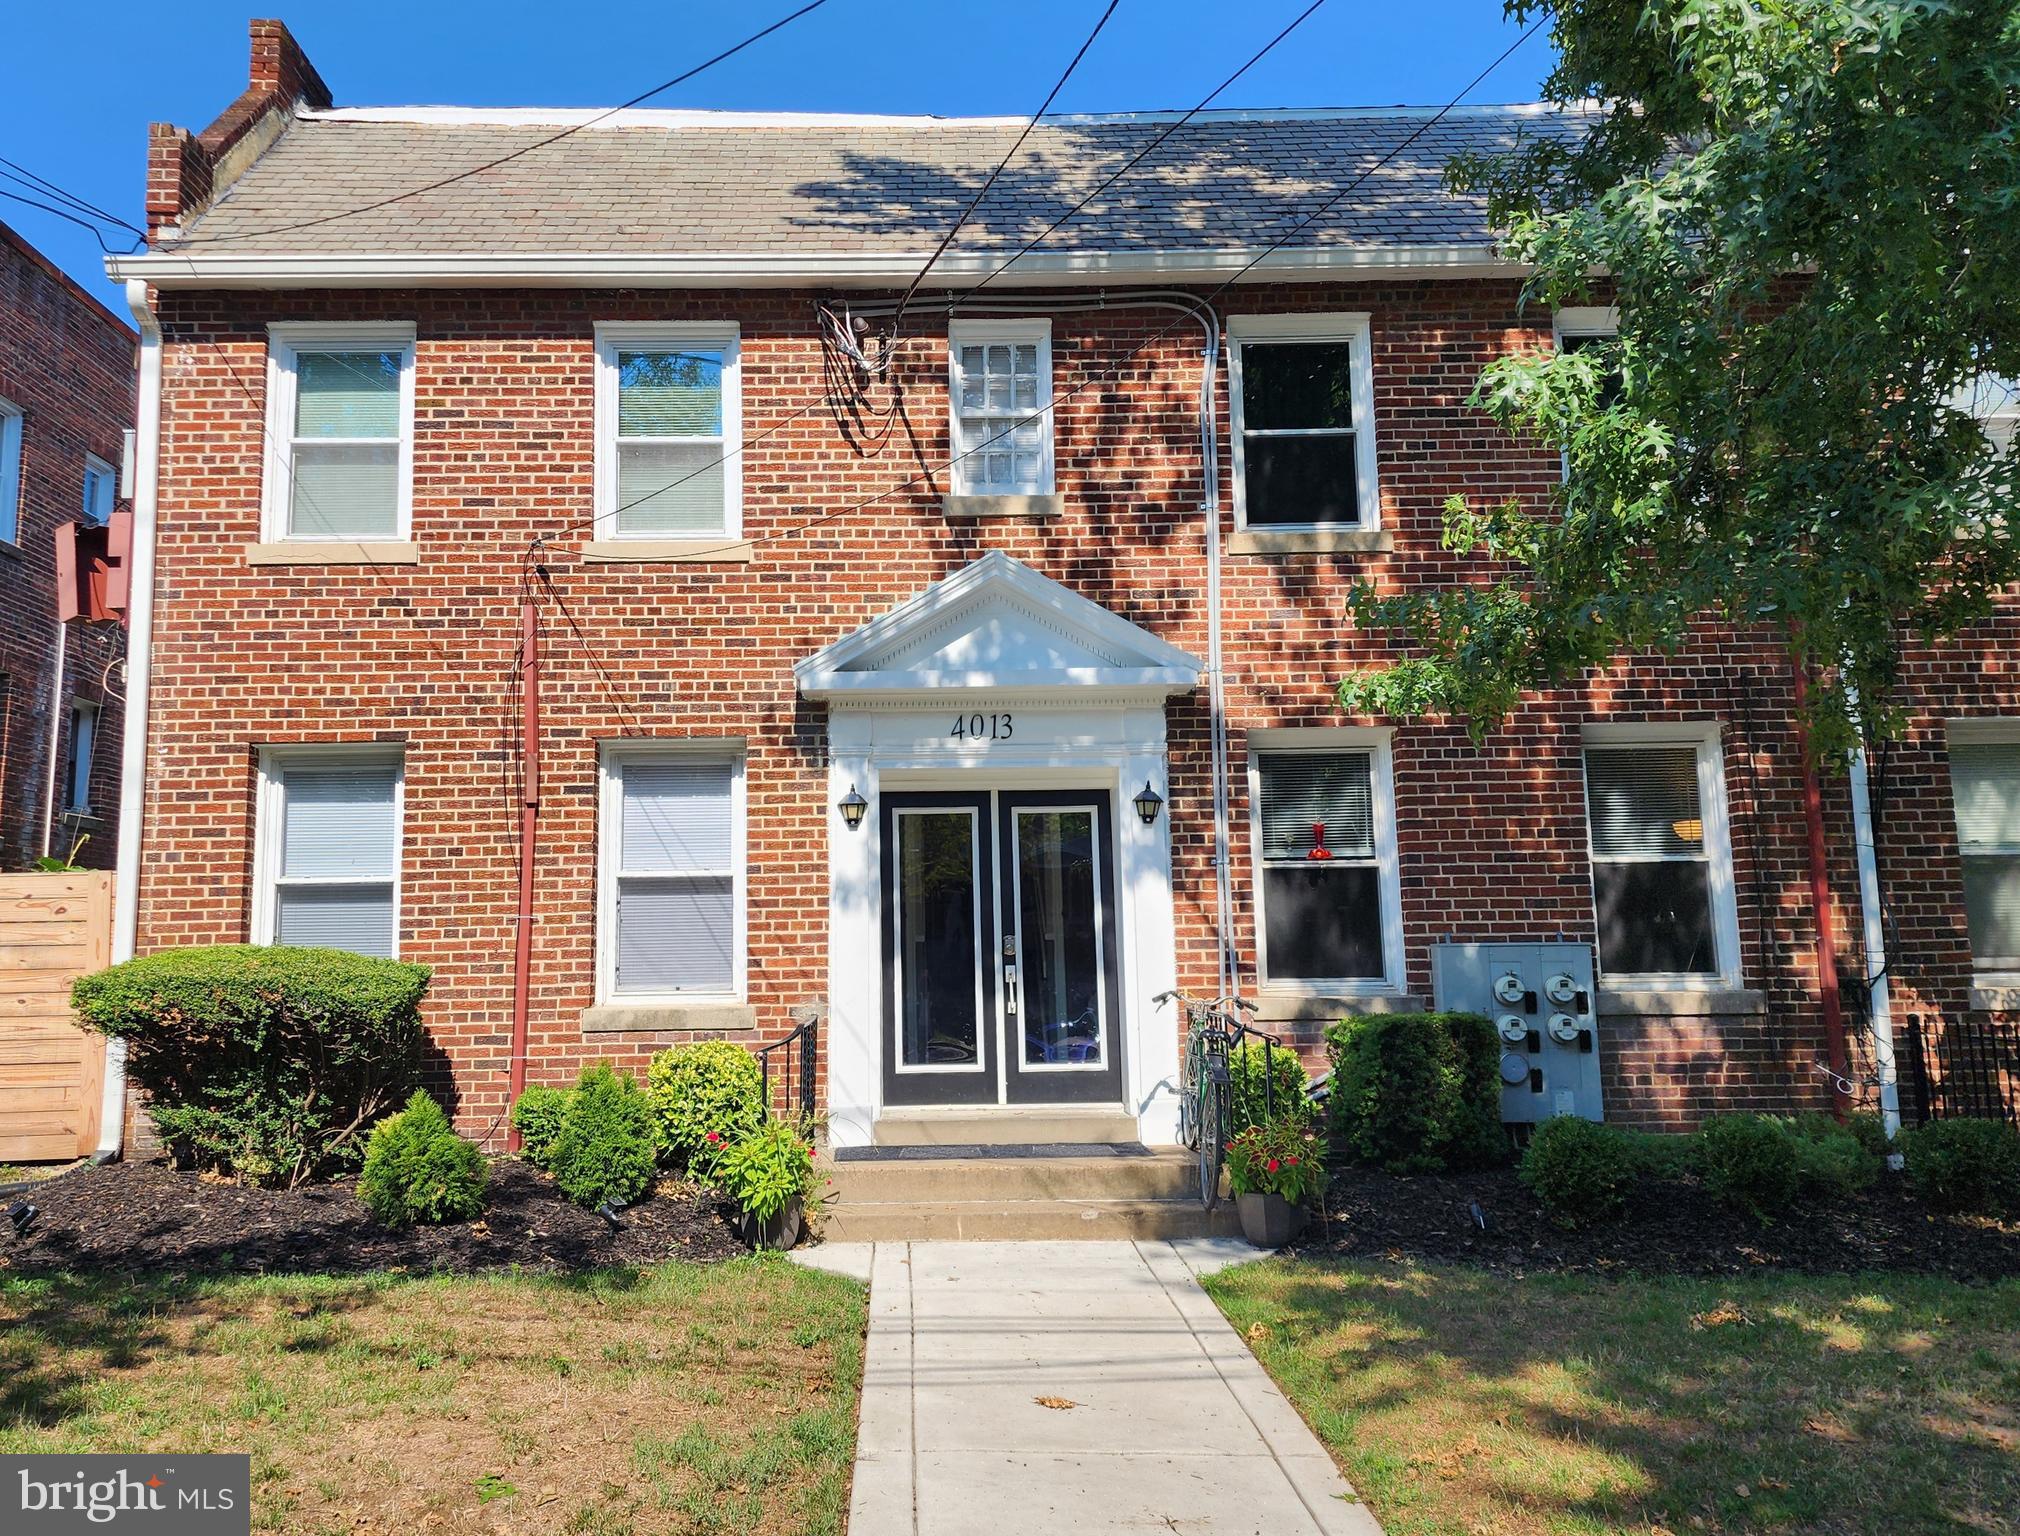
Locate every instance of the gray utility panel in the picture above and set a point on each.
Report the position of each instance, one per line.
(1541, 999)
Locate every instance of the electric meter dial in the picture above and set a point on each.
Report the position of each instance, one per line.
(1564, 1027)
(1508, 987)
(1514, 1068)
(1561, 988)
(1514, 1028)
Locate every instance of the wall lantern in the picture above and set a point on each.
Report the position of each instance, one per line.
(1148, 803)
(852, 806)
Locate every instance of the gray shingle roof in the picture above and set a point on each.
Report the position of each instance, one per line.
(709, 183)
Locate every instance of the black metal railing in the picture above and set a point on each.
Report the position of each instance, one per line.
(1970, 1069)
(793, 1061)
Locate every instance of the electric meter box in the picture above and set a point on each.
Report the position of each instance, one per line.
(1545, 1011)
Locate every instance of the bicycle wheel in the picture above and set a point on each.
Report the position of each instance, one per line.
(1188, 1101)
(1212, 1144)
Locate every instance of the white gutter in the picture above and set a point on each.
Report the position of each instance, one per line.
(1878, 1009)
(222, 264)
(139, 670)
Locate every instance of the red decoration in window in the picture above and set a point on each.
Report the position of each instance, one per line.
(1319, 848)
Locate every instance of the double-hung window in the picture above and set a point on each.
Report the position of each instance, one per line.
(340, 431)
(1001, 389)
(330, 849)
(1303, 405)
(1985, 791)
(83, 752)
(673, 873)
(668, 431)
(101, 485)
(1329, 910)
(1580, 327)
(10, 472)
(1661, 855)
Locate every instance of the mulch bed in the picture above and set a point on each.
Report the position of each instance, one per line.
(1669, 1227)
(148, 1216)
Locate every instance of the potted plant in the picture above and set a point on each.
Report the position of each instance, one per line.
(770, 1175)
(1276, 1170)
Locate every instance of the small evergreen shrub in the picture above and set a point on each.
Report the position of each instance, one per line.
(1579, 1169)
(1288, 1086)
(608, 1148)
(1416, 1092)
(1836, 1159)
(417, 1169)
(1971, 1167)
(1751, 1162)
(1659, 1156)
(262, 1061)
(767, 1170)
(712, 1086)
(537, 1118)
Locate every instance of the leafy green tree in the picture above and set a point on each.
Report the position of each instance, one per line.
(1808, 213)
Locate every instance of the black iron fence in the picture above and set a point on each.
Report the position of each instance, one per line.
(1969, 1068)
(789, 1066)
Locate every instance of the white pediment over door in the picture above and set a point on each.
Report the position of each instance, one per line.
(996, 625)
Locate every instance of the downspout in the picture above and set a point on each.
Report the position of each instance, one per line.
(529, 821)
(1878, 1009)
(139, 672)
(1820, 898)
(1229, 981)
(55, 736)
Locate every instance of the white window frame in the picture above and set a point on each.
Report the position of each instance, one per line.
(94, 465)
(1581, 321)
(78, 795)
(12, 435)
(1708, 737)
(961, 333)
(1377, 744)
(274, 763)
(614, 336)
(1991, 731)
(1355, 329)
(286, 341)
(609, 849)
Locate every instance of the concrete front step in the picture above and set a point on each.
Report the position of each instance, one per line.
(1003, 1221)
(1002, 1127)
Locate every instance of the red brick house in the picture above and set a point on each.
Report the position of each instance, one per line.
(66, 403)
(967, 677)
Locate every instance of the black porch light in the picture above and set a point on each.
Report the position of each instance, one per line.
(852, 806)
(1148, 803)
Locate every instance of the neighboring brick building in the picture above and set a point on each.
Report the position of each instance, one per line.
(619, 372)
(66, 401)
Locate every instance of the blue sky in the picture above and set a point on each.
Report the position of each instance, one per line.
(75, 103)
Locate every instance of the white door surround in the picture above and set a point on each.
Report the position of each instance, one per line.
(997, 678)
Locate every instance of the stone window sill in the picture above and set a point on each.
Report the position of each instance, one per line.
(723, 551)
(1310, 541)
(1996, 994)
(335, 552)
(1300, 1007)
(1680, 1002)
(970, 509)
(656, 1018)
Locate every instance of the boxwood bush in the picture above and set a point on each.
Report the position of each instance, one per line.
(1416, 1092)
(265, 1062)
(1750, 1162)
(710, 1087)
(1968, 1166)
(1579, 1169)
(1288, 1086)
(608, 1148)
(417, 1169)
(537, 1117)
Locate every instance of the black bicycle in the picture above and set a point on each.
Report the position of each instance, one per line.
(1206, 1094)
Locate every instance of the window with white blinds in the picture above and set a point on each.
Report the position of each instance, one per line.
(1661, 871)
(1319, 867)
(673, 890)
(340, 428)
(330, 834)
(1001, 389)
(668, 431)
(1985, 790)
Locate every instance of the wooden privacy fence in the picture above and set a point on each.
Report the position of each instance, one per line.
(53, 929)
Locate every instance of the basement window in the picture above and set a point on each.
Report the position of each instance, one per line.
(1000, 385)
(668, 431)
(340, 432)
(329, 849)
(1302, 403)
(1985, 792)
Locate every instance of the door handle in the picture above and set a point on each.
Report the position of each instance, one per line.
(1009, 986)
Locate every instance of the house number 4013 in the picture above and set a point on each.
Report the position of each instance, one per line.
(981, 728)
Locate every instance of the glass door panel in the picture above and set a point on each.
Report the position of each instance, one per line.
(939, 940)
(1059, 950)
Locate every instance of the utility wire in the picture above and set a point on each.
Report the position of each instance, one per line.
(539, 144)
(61, 213)
(30, 179)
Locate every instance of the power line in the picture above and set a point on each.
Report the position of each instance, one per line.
(83, 224)
(492, 165)
(30, 179)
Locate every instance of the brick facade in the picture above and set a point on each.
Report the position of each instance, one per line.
(67, 364)
(1491, 838)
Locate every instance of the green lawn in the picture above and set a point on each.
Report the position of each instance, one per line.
(683, 1398)
(1463, 1402)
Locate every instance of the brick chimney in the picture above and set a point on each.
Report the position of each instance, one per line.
(186, 171)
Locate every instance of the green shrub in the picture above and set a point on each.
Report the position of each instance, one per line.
(1288, 1086)
(1659, 1156)
(1751, 1162)
(1580, 1170)
(608, 1148)
(1968, 1166)
(1836, 1159)
(711, 1086)
(262, 1061)
(767, 1170)
(417, 1169)
(1416, 1092)
(537, 1118)
(1285, 1157)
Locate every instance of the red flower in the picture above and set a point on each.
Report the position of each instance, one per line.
(1290, 1162)
(714, 1136)
(1274, 1165)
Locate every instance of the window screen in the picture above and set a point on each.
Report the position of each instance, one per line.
(1321, 880)
(670, 441)
(1299, 455)
(344, 457)
(1651, 870)
(676, 878)
(338, 856)
(1985, 789)
(1004, 442)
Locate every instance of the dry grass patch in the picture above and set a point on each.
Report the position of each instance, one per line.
(1464, 1403)
(681, 1398)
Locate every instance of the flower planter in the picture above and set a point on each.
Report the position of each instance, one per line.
(779, 1234)
(1269, 1221)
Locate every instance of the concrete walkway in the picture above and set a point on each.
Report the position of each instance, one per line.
(1081, 1387)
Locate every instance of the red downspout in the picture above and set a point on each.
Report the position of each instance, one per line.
(529, 817)
(1820, 900)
